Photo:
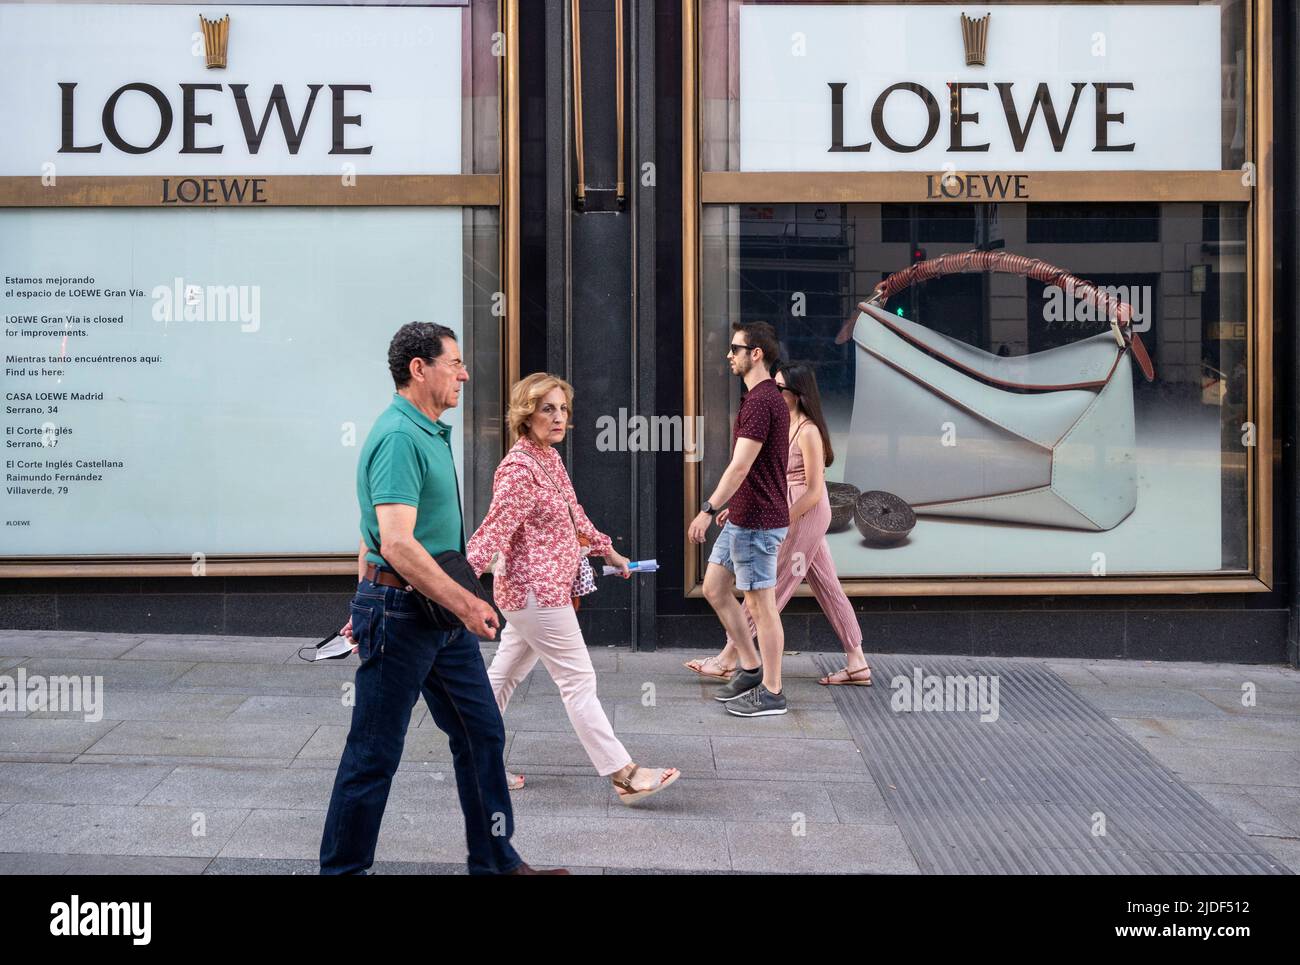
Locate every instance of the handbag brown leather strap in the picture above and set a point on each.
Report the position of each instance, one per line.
(1119, 313)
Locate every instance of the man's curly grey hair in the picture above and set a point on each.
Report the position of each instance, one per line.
(415, 340)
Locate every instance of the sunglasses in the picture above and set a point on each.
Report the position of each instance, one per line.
(733, 348)
(789, 388)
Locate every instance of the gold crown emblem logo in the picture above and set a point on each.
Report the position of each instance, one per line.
(975, 35)
(216, 34)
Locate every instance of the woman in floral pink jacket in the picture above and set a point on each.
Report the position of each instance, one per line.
(535, 523)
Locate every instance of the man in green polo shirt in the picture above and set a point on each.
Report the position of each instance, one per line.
(407, 461)
(410, 512)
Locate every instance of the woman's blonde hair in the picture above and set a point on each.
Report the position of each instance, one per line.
(526, 395)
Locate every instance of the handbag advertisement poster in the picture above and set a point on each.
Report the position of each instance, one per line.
(1051, 387)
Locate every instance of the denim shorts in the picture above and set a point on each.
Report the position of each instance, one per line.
(750, 554)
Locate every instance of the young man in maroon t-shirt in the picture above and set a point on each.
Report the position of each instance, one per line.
(754, 524)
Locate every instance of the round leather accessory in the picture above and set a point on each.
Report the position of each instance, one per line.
(882, 518)
(843, 497)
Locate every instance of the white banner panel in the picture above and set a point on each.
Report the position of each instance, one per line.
(203, 383)
(123, 68)
(1146, 76)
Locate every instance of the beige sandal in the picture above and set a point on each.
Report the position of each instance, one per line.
(629, 794)
(514, 781)
(698, 663)
(848, 681)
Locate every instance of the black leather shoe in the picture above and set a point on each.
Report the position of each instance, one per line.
(527, 869)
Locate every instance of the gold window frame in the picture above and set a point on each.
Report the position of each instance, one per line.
(499, 190)
(700, 187)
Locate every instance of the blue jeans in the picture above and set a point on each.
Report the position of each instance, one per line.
(749, 553)
(403, 656)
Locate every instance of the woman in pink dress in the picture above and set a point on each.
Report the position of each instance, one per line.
(804, 553)
(537, 525)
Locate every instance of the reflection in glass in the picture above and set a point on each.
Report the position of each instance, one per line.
(806, 267)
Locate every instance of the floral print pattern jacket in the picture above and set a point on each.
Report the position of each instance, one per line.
(530, 525)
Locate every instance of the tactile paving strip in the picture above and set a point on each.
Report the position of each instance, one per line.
(1052, 786)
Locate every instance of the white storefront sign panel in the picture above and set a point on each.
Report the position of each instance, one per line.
(408, 57)
(205, 388)
(867, 88)
(200, 383)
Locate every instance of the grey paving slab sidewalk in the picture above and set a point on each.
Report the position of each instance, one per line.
(216, 755)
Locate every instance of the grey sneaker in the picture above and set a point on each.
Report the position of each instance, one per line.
(742, 681)
(759, 702)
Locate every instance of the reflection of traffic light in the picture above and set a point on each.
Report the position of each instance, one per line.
(912, 297)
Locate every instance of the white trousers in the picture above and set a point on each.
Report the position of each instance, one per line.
(552, 635)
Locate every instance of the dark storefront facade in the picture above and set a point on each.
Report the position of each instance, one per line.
(631, 177)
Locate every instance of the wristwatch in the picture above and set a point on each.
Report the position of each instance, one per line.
(707, 507)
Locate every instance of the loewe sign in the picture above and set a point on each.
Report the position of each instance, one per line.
(1023, 88)
(252, 128)
(131, 90)
(981, 187)
(1042, 107)
(214, 191)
